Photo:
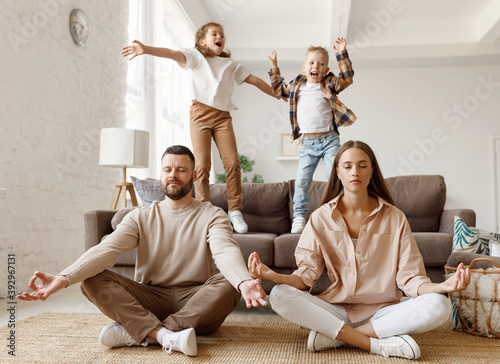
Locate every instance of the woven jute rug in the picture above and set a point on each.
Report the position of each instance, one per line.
(73, 338)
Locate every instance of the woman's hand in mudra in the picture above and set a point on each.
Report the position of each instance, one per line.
(258, 269)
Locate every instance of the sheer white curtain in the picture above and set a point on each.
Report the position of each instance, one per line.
(158, 95)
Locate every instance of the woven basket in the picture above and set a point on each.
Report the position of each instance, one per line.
(476, 310)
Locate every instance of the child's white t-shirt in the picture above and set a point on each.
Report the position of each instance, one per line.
(314, 110)
(213, 78)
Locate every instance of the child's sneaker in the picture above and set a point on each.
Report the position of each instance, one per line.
(236, 218)
(298, 224)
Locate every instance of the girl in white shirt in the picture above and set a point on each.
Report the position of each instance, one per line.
(214, 73)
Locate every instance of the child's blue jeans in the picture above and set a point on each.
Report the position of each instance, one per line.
(313, 149)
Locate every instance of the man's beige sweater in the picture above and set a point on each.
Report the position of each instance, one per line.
(174, 247)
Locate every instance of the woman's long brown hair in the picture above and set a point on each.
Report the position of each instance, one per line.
(377, 186)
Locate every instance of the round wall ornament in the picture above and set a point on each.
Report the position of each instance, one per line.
(79, 26)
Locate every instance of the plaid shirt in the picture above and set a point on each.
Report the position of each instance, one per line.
(331, 85)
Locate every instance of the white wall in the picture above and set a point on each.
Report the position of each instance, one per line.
(55, 98)
(407, 116)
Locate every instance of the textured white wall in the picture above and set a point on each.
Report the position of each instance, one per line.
(54, 99)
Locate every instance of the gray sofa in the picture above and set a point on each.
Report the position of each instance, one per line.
(268, 211)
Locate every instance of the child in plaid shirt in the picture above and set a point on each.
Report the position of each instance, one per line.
(315, 112)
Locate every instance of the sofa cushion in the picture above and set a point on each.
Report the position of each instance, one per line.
(321, 285)
(124, 270)
(265, 205)
(128, 258)
(284, 250)
(316, 190)
(262, 243)
(421, 198)
(434, 247)
(120, 214)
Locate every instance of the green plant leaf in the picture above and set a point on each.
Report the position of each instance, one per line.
(246, 165)
(257, 178)
(220, 178)
(463, 237)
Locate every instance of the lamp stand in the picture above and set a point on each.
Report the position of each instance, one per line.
(122, 188)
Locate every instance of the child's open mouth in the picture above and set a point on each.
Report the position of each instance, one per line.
(314, 74)
(218, 44)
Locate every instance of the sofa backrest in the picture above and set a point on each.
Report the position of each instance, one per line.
(268, 207)
(265, 205)
(316, 190)
(421, 198)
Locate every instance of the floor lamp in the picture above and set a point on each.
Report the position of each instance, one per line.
(124, 148)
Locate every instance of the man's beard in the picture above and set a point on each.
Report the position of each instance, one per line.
(178, 193)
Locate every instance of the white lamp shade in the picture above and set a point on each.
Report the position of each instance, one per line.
(124, 148)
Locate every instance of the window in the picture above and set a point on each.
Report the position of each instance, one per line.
(158, 89)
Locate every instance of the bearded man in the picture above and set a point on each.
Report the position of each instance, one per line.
(176, 292)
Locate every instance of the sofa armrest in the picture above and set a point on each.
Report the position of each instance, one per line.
(97, 223)
(447, 222)
(466, 257)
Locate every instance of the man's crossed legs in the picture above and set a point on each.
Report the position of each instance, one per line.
(170, 316)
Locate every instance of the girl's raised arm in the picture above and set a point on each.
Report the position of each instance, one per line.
(262, 85)
(137, 48)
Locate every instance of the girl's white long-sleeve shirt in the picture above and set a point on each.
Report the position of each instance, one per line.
(213, 78)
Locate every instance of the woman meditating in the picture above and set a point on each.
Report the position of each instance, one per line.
(366, 245)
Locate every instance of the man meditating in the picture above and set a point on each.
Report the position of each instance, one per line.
(175, 293)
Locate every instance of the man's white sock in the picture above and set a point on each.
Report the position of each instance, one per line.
(159, 337)
(374, 346)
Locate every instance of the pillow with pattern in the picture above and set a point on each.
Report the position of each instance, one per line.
(471, 239)
(149, 190)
